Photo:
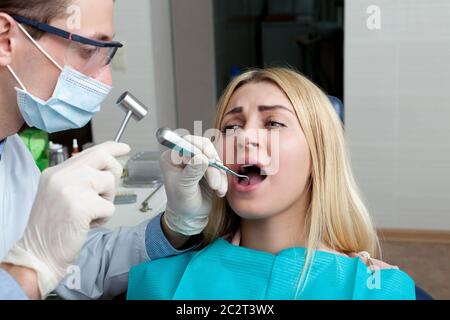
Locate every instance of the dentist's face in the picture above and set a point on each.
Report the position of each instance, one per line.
(264, 137)
(91, 19)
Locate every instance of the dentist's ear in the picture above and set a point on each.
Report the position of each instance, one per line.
(7, 40)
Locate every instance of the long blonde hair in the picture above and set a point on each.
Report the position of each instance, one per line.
(336, 215)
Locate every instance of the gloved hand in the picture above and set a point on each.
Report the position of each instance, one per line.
(71, 198)
(188, 198)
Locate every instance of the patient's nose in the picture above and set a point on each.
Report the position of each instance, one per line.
(249, 138)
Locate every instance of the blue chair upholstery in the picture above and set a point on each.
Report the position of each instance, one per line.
(422, 294)
(338, 106)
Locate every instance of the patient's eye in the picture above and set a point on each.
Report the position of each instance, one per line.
(274, 124)
(230, 129)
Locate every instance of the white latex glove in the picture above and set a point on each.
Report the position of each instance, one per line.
(188, 198)
(71, 198)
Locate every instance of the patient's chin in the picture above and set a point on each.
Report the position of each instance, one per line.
(251, 212)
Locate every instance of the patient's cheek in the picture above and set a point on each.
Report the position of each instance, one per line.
(294, 158)
(219, 144)
(228, 150)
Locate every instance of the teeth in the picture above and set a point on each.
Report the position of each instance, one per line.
(247, 165)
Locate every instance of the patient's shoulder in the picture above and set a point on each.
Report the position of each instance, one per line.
(371, 262)
(176, 264)
(157, 279)
(363, 255)
(177, 260)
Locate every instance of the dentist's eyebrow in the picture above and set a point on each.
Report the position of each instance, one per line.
(102, 36)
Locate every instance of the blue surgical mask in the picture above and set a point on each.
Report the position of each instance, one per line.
(75, 100)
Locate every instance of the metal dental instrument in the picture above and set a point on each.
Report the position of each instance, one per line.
(171, 140)
(133, 107)
(145, 207)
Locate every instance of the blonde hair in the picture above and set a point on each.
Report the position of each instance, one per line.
(336, 215)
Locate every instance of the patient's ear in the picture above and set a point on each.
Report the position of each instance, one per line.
(7, 40)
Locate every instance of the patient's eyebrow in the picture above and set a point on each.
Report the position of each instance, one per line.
(261, 108)
(271, 108)
(234, 110)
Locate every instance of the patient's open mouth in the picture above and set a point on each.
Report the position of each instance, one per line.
(254, 172)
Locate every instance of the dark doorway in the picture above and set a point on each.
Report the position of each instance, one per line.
(307, 35)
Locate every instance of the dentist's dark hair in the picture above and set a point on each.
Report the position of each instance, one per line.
(41, 10)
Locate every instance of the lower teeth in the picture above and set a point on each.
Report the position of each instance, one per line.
(252, 179)
(244, 181)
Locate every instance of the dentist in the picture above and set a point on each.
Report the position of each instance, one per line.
(55, 78)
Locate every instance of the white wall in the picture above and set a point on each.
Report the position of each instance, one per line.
(145, 28)
(397, 97)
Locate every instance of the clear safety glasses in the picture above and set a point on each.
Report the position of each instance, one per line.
(85, 55)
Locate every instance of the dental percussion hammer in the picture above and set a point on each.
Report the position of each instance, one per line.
(133, 107)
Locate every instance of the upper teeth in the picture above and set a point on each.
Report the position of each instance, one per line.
(247, 165)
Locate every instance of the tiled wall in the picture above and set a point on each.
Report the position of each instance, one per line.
(397, 97)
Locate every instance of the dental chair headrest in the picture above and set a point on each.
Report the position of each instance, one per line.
(338, 106)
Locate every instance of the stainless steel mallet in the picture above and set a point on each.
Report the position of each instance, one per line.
(133, 107)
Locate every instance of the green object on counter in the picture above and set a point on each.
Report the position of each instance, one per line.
(37, 142)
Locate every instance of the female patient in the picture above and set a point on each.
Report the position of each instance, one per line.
(292, 231)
